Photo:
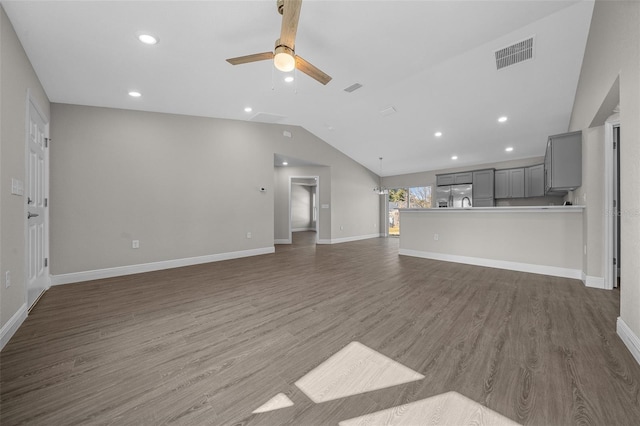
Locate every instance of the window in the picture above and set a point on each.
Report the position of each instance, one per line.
(417, 197)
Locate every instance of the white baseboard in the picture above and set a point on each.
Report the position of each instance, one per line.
(282, 241)
(155, 266)
(629, 338)
(302, 229)
(593, 282)
(348, 239)
(500, 264)
(9, 329)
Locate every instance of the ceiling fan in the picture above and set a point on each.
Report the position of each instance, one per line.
(284, 56)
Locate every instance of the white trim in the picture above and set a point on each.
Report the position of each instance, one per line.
(593, 282)
(323, 241)
(9, 329)
(317, 227)
(349, 239)
(302, 229)
(31, 101)
(500, 264)
(631, 341)
(118, 271)
(609, 250)
(282, 241)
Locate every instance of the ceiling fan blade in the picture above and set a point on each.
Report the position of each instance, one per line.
(250, 58)
(290, 17)
(312, 71)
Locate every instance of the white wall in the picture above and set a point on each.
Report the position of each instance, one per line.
(16, 78)
(613, 51)
(184, 186)
(542, 241)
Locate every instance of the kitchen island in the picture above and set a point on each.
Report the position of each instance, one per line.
(544, 240)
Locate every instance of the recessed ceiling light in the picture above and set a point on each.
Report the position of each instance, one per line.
(455, 157)
(248, 109)
(284, 163)
(438, 134)
(134, 94)
(502, 119)
(288, 79)
(509, 149)
(148, 39)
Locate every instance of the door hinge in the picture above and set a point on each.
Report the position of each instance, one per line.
(46, 262)
(615, 261)
(46, 142)
(46, 202)
(615, 203)
(615, 145)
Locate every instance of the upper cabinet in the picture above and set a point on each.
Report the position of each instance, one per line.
(534, 181)
(454, 178)
(563, 163)
(509, 183)
(483, 186)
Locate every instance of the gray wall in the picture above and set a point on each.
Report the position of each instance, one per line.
(184, 186)
(16, 77)
(613, 51)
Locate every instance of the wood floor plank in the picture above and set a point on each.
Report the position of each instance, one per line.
(208, 344)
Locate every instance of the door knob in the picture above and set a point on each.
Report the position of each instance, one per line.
(30, 215)
(29, 200)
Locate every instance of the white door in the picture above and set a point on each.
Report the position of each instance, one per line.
(36, 199)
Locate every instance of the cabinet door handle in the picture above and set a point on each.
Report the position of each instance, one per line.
(30, 215)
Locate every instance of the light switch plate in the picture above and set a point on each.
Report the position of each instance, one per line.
(17, 187)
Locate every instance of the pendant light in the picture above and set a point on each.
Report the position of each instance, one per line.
(380, 189)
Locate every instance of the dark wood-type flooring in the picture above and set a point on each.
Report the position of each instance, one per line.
(208, 344)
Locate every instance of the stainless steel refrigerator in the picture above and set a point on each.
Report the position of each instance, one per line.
(454, 196)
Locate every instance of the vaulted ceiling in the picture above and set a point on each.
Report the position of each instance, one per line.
(424, 67)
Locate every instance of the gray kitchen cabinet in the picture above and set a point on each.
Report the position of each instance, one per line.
(534, 181)
(466, 177)
(509, 183)
(454, 178)
(483, 188)
(563, 163)
(445, 179)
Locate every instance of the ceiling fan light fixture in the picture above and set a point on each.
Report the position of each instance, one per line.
(284, 59)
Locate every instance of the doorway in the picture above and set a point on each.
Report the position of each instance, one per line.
(303, 206)
(36, 200)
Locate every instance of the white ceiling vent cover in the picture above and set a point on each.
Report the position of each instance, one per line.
(353, 87)
(517, 52)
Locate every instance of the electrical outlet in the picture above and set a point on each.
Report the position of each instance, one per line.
(249, 235)
(7, 279)
(341, 227)
(436, 237)
(135, 244)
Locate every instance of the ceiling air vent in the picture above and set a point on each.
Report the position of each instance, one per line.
(353, 87)
(517, 52)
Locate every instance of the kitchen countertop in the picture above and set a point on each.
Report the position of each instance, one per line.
(501, 209)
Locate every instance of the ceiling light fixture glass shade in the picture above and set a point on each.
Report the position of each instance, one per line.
(284, 59)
